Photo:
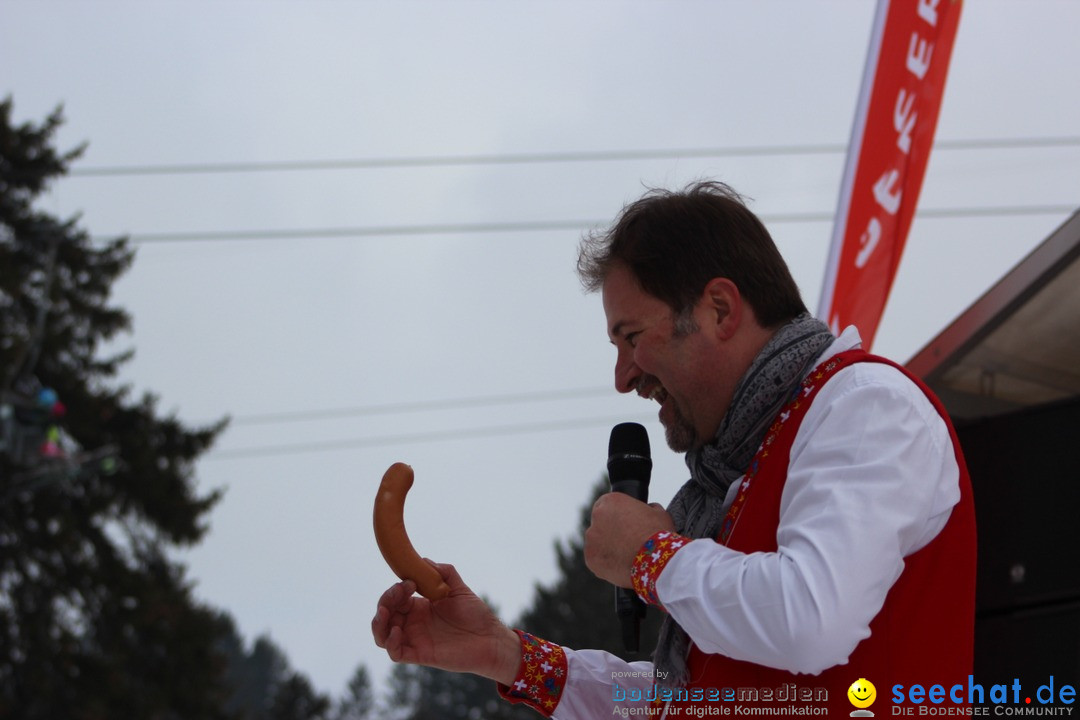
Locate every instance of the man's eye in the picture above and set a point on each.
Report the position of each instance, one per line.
(631, 339)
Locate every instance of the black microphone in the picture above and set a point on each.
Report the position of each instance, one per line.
(629, 468)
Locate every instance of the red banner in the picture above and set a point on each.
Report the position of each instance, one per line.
(903, 84)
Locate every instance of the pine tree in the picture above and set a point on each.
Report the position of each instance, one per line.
(296, 699)
(424, 693)
(96, 487)
(359, 701)
(263, 685)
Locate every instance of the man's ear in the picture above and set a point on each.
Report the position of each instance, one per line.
(723, 305)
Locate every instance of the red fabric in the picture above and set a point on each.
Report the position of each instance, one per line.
(925, 631)
(651, 560)
(541, 676)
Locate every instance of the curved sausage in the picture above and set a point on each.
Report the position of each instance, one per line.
(394, 543)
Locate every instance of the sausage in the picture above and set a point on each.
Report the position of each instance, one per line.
(394, 543)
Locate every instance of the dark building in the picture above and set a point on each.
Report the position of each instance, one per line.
(1008, 370)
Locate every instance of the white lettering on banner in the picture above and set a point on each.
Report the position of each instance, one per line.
(888, 200)
(904, 119)
(918, 57)
(868, 241)
(928, 11)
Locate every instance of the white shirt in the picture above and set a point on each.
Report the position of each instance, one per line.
(872, 478)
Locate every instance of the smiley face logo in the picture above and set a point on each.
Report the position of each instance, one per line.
(862, 694)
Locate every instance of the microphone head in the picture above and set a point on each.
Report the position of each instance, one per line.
(629, 439)
(629, 462)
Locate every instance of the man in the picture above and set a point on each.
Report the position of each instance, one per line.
(826, 534)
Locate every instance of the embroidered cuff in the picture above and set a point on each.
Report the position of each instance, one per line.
(541, 677)
(651, 561)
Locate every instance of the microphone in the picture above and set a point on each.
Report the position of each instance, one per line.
(629, 467)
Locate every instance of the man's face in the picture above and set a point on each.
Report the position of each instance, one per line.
(662, 358)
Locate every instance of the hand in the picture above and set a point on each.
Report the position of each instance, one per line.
(620, 526)
(459, 633)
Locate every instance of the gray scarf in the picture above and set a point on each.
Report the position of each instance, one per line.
(698, 509)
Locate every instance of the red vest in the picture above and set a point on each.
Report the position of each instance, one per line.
(924, 633)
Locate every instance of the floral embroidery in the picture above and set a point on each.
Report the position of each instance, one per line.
(651, 560)
(541, 676)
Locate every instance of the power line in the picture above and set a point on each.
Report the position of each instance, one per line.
(1004, 211)
(578, 225)
(356, 232)
(539, 158)
(421, 406)
(426, 437)
(449, 160)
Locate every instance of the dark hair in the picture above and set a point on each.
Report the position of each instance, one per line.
(676, 242)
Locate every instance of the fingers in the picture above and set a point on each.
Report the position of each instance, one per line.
(401, 614)
(449, 575)
(620, 525)
(398, 594)
(380, 626)
(394, 605)
(386, 628)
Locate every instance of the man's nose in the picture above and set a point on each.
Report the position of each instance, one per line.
(627, 373)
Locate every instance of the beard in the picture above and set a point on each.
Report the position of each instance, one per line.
(678, 430)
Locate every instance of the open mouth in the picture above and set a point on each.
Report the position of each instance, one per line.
(652, 390)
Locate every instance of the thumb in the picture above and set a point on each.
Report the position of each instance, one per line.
(449, 574)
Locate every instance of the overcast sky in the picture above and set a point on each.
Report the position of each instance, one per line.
(436, 301)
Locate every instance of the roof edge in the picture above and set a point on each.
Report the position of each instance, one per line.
(1002, 299)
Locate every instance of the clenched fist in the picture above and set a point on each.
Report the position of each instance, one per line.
(620, 526)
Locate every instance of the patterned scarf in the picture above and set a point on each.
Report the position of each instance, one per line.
(698, 509)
